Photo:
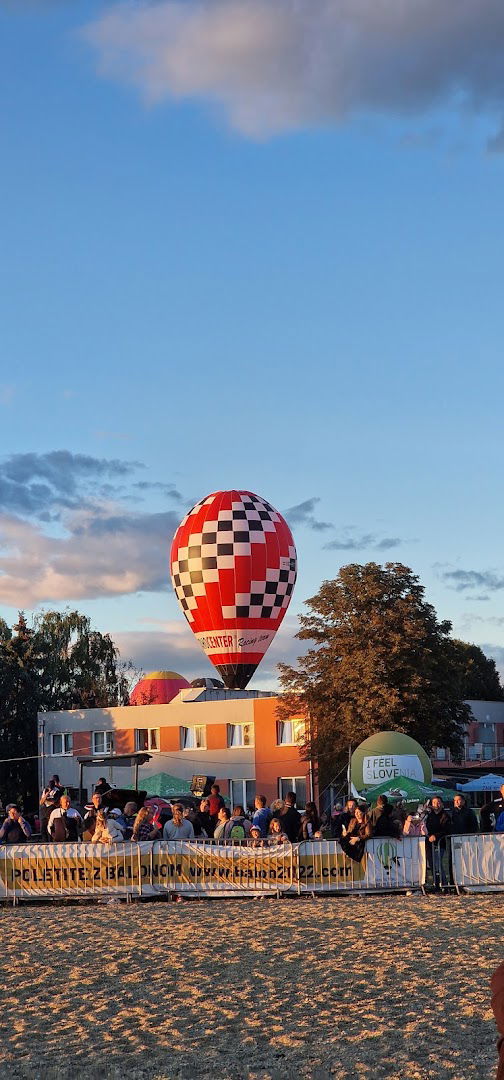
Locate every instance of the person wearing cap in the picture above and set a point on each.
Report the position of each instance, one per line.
(65, 823)
(49, 800)
(15, 830)
(89, 822)
(256, 839)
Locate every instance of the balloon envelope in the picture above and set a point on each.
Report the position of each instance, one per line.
(158, 688)
(233, 567)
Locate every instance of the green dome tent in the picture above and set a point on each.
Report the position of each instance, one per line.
(413, 791)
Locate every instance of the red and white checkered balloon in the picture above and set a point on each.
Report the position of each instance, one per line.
(233, 568)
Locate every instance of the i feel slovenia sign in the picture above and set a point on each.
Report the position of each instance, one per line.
(385, 756)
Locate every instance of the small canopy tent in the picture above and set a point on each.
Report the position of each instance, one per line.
(490, 782)
(412, 791)
(165, 786)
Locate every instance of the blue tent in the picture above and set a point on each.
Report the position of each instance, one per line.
(490, 782)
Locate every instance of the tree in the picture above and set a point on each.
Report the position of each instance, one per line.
(480, 675)
(380, 661)
(58, 663)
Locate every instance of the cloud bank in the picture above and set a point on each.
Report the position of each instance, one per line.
(303, 514)
(465, 580)
(69, 529)
(276, 65)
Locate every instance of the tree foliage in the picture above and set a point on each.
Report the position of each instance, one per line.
(380, 660)
(57, 663)
(480, 675)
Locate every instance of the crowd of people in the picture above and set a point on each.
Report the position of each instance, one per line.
(351, 824)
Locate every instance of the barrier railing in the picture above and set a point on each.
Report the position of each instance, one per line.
(207, 868)
(478, 860)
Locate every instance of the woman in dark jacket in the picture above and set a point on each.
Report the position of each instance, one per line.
(310, 822)
(439, 825)
(354, 839)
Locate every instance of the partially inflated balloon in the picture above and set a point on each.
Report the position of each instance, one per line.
(233, 567)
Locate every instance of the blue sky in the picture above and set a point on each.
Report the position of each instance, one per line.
(238, 251)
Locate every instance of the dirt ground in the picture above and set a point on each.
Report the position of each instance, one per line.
(367, 988)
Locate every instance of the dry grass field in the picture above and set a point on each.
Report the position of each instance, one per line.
(368, 989)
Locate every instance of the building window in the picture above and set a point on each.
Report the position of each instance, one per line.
(62, 743)
(147, 738)
(193, 738)
(242, 793)
(240, 734)
(440, 753)
(297, 784)
(291, 732)
(103, 742)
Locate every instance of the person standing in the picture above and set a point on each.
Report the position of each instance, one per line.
(50, 799)
(290, 818)
(179, 828)
(439, 826)
(215, 803)
(261, 815)
(65, 823)
(89, 822)
(15, 830)
(310, 823)
(491, 811)
(464, 819)
(102, 786)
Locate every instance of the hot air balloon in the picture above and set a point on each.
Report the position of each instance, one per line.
(233, 568)
(207, 684)
(158, 688)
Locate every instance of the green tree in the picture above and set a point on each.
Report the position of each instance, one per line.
(380, 660)
(480, 676)
(58, 663)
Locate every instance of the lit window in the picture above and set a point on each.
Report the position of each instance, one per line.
(147, 738)
(291, 732)
(62, 743)
(240, 734)
(103, 742)
(440, 753)
(297, 784)
(193, 738)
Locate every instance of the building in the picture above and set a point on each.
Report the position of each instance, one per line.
(232, 735)
(483, 742)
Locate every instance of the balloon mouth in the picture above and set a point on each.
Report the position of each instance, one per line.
(236, 676)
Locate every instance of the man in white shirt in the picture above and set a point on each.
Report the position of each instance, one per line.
(179, 828)
(65, 823)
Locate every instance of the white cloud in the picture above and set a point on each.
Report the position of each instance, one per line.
(103, 552)
(172, 646)
(276, 65)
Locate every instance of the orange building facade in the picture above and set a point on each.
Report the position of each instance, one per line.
(235, 736)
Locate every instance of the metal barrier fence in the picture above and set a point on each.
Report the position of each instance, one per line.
(207, 868)
(477, 861)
